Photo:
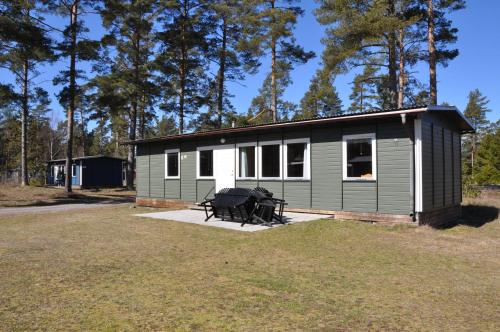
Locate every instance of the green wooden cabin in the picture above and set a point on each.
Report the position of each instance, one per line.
(397, 165)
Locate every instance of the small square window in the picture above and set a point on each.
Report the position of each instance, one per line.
(206, 163)
(246, 162)
(359, 157)
(172, 164)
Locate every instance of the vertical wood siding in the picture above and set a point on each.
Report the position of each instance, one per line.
(441, 145)
(427, 166)
(438, 167)
(457, 164)
(448, 167)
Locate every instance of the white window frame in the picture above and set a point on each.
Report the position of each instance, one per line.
(241, 145)
(178, 151)
(346, 138)
(261, 144)
(73, 170)
(204, 148)
(307, 158)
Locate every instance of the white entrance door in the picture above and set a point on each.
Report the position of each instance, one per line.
(224, 167)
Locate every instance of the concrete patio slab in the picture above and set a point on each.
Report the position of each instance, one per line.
(198, 217)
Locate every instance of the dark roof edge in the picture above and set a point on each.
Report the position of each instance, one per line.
(87, 157)
(471, 128)
(345, 117)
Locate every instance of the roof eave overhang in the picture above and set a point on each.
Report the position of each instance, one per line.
(354, 117)
(464, 124)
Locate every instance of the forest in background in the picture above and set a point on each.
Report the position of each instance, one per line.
(163, 67)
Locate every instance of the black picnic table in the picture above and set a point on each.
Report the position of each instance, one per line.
(247, 205)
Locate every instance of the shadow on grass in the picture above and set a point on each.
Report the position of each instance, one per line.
(77, 199)
(474, 216)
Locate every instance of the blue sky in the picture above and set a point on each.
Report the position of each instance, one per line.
(477, 66)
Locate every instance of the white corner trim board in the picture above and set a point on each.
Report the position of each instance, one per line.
(418, 166)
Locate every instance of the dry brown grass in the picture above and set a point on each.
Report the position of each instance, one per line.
(105, 269)
(11, 196)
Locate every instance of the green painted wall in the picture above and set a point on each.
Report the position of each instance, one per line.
(441, 163)
(391, 193)
(142, 170)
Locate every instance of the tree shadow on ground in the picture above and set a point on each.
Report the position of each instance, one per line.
(474, 216)
(76, 199)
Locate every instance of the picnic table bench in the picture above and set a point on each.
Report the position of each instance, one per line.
(246, 205)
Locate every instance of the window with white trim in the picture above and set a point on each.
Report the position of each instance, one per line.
(205, 163)
(270, 160)
(297, 159)
(172, 164)
(73, 170)
(246, 161)
(359, 157)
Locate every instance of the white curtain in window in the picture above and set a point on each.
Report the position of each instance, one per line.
(244, 162)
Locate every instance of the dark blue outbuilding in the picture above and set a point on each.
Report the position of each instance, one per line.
(88, 172)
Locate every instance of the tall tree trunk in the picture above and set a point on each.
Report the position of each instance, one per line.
(432, 53)
(181, 97)
(72, 93)
(392, 40)
(274, 92)
(402, 73)
(24, 126)
(82, 124)
(221, 74)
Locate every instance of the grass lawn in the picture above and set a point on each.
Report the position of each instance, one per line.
(104, 269)
(11, 196)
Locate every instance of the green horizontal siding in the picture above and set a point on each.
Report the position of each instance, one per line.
(188, 171)
(172, 189)
(360, 196)
(298, 194)
(326, 168)
(394, 169)
(142, 171)
(205, 189)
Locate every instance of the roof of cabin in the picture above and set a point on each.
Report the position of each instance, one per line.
(454, 115)
(87, 157)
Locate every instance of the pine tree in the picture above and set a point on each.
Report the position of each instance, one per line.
(125, 86)
(360, 34)
(269, 26)
(73, 47)
(487, 166)
(475, 111)
(25, 45)
(321, 99)
(183, 58)
(232, 59)
(261, 108)
(364, 94)
(440, 34)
